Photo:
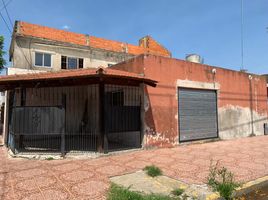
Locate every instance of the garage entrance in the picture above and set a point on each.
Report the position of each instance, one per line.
(197, 114)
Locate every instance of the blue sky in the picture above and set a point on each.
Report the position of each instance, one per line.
(210, 28)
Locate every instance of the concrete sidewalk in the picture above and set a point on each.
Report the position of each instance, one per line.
(89, 178)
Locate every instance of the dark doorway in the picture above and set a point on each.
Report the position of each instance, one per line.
(122, 117)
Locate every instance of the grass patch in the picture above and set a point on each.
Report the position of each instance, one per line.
(119, 193)
(153, 171)
(178, 192)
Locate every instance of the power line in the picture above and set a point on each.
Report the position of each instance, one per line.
(5, 23)
(18, 43)
(5, 7)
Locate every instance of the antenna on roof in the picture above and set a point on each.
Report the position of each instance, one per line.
(242, 37)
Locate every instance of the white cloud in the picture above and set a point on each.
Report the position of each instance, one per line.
(66, 27)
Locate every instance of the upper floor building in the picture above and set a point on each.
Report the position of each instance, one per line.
(36, 47)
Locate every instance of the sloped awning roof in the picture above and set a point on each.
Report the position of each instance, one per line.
(73, 77)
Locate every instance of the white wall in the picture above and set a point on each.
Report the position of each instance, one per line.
(24, 54)
(13, 70)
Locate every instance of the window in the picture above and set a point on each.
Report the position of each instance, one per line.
(47, 60)
(109, 64)
(71, 63)
(38, 59)
(63, 62)
(42, 59)
(81, 62)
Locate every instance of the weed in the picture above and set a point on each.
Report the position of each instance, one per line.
(153, 171)
(119, 193)
(222, 181)
(49, 158)
(177, 192)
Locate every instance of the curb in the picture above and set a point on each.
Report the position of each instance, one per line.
(245, 189)
(252, 185)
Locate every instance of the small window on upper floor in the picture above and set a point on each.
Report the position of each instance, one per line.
(71, 63)
(42, 59)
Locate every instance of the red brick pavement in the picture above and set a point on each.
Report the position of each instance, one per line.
(89, 178)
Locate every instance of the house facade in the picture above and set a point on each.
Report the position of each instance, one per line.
(36, 47)
(197, 102)
(62, 100)
(103, 110)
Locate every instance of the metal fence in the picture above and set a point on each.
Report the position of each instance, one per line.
(123, 121)
(68, 119)
(37, 128)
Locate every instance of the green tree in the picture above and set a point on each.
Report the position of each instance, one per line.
(2, 52)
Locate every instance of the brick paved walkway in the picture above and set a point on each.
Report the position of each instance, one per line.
(89, 179)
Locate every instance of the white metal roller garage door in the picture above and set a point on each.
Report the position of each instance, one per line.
(197, 114)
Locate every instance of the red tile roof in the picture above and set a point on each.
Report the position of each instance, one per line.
(73, 74)
(38, 31)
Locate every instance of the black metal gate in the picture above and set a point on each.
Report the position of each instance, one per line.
(37, 128)
(68, 119)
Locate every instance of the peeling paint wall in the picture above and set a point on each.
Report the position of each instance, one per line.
(236, 121)
(242, 98)
(151, 137)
